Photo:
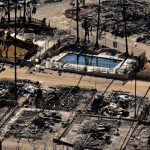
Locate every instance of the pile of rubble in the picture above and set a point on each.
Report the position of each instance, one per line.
(88, 11)
(140, 139)
(61, 98)
(97, 133)
(3, 111)
(7, 88)
(136, 18)
(116, 103)
(145, 112)
(35, 123)
(112, 17)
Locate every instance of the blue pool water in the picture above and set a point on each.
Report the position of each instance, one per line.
(90, 60)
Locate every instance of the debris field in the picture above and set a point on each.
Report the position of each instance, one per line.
(140, 138)
(62, 98)
(7, 89)
(97, 133)
(84, 118)
(112, 17)
(34, 124)
(117, 104)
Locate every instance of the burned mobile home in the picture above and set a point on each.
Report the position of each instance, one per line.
(63, 98)
(31, 123)
(117, 104)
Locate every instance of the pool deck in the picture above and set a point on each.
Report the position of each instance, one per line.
(121, 71)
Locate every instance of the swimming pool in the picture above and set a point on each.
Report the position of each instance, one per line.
(90, 60)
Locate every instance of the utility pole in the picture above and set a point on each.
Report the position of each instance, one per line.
(135, 96)
(8, 9)
(135, 114)
(24, 12)
(98, 24)
(15, 49)
(77, 19)
(125, 27)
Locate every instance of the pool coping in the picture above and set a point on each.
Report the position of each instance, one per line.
(96, 56)
(119, 72)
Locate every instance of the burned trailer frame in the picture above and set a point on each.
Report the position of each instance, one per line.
(63, 99)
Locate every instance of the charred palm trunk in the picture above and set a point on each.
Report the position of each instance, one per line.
(98, 24)
(77, 18)
(8, 8)
(24, 11)
(125, 27)
(15, 50)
